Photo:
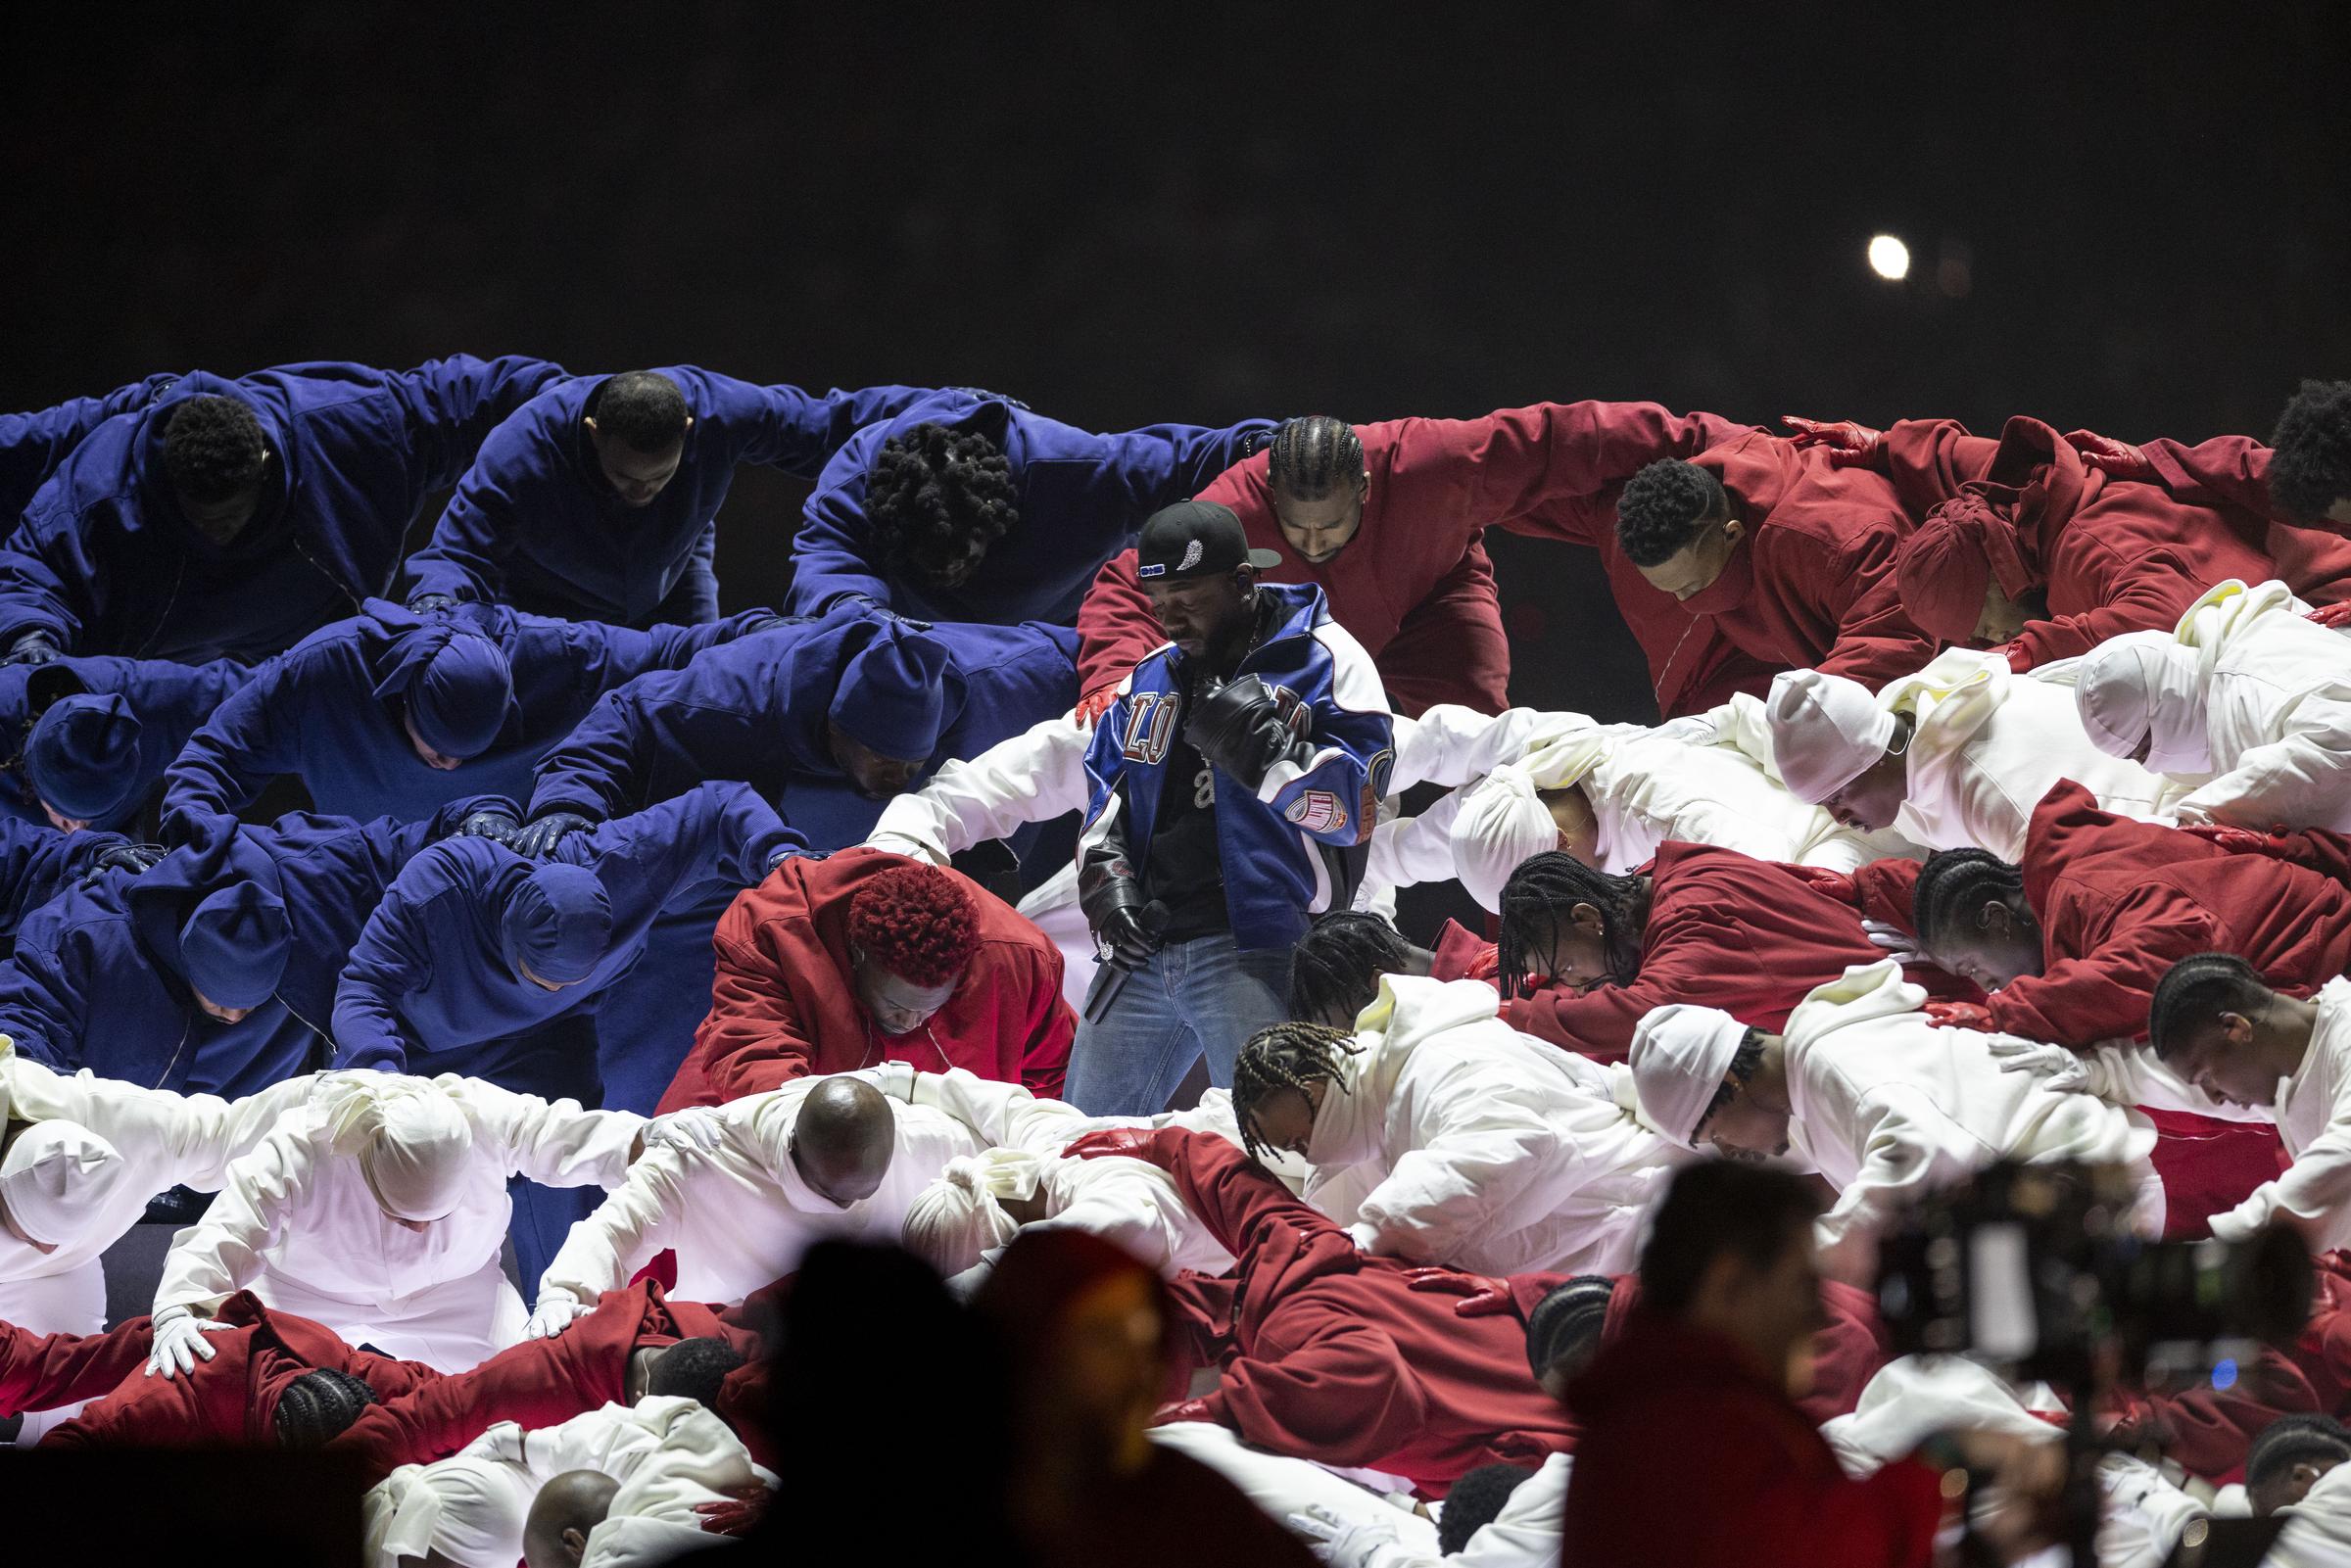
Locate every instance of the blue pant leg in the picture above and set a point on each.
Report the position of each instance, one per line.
(1232, 995)
(1127, 1062)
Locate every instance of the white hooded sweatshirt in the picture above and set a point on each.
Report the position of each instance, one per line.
(1888, 1107)
(2247, 695)
(2314, 1122)
(1492, 1152)
(299, 1222)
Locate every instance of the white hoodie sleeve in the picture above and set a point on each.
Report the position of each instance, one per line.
(196, 1135)
(552, 1141)
(2312, 1190)
(221, 1254)
(1032, 777)
(631, 1224)
(2301, 780)
(1475, 1159)
(1407, 851)
(1451, 745)
(1907, 1146)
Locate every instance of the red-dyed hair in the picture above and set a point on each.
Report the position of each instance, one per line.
(915, 922)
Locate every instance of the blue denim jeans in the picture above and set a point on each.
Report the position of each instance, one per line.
(1196, 998)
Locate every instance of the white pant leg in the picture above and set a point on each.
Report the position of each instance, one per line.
(1052, 908)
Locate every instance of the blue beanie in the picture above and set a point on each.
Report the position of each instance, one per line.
(81, 753)
(892, 694)
(557, 924)
(458, 686)
(234, 947)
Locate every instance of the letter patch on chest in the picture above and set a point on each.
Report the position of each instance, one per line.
(1150, 726)
(1318, 811)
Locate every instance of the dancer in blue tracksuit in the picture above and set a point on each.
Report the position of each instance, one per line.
(1235, 779)
(482, 962)
(231, 518)
(32, 445)
(969, 508)
(216, 970)
(395, 714)
(86, 739)
(853, 704)
(597, 499)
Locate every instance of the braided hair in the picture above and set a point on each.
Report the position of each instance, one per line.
(1744, 1062)
(2195, 991)
(317, 1405)
(1540, 895)
(2290, 1440)
(1566, 1322)
(1314, 455)
(935, 491)
(1953, 889)
(1336, 967)
(2310, 452)
(1285, 1056)
(1663, 509)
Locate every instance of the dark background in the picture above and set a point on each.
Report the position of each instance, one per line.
(1126, 217)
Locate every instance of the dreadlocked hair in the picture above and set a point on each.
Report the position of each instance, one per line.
(2310, 451)
(2195, 991)
(1285, 1056)
(917, 922)
(1744, 1062)
(317, 1405)
(213, 447)
(1336, 967)
(933, 490)
(1953, 887)
(1314, 455)
(1540, 894)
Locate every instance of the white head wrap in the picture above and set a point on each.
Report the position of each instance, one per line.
(55, 1176)
(1502, 821)
(956, 1218)
(1826, 732)
(1681, 1054)
(2142, 686)
(410, 1137)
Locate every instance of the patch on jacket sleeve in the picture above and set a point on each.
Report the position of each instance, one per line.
(1318, 811)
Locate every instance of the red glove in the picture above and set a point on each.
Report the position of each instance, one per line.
(1959, 1016)
(2019, 657)
(1481, 1295)
(2332, 614)
(1132, 1143)
(1184, 1411)
(2238, 840)
(1829, 883)
(1095, 703)
(1849, 444)
(745, 1506)
(2111, 457)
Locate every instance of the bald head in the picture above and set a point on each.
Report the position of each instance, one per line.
(842, 1139)
(566, 1509)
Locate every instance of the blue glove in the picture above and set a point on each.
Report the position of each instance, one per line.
(544, 832)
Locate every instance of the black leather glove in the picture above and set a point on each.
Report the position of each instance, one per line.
(881, 611)
(1239, 727)
(544, 832)
(431, 603)
(33, 648)
(1127, 926)
(133, 858)
(489, 822)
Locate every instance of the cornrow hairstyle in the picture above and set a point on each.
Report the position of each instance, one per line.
(1954, 886)
(643, 409)
(2290, 1440)
(1540, 894)
(1567, 1320)
(1314, 455)
(1744, 1062)
(915, 922)
(1336, 967)
(214, 449)
(694, 1369)
(2195, 991)
(1474, 1501)
(317, 1405)
(933, 490)
(1663, 509)
(1285, 1056)
(2310, 451)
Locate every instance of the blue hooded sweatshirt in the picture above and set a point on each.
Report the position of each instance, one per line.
(1083, 499)
(38, 864)
(757, 710)
(99, 981)
(168, 701)
(32, 445)
(104, 562)
(536, 524)
(313, 712)
(430, 986)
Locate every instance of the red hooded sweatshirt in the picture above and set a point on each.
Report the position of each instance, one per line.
(783, 1006)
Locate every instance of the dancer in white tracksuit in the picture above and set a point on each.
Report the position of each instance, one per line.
(378, 1206)
(1955, 756)
(1482, 1149)
(2248, 700)
(1884, 1104)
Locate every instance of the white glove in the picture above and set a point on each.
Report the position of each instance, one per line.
(1337, 1541)
(2059, 1067)
(179, 1341)
(2241, 1223)
(556, 1312)
(1900, 944)
(897, 1079)
(696, 1129)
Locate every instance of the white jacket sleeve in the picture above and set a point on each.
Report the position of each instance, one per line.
(552, 1141)
(1032, 777)
(1740, 724)
(627, 1228)
(195, 1135)
(1451, 745)
(1407, 851)
(1467, 1176)
(221, 1253)
(2130, 1074)
(2145, 1513)
(998, 1113)
(1908, 1146)
(2312, 1189)
(2302, 779)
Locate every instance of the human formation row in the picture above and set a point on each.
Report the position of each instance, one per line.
(580, 849)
